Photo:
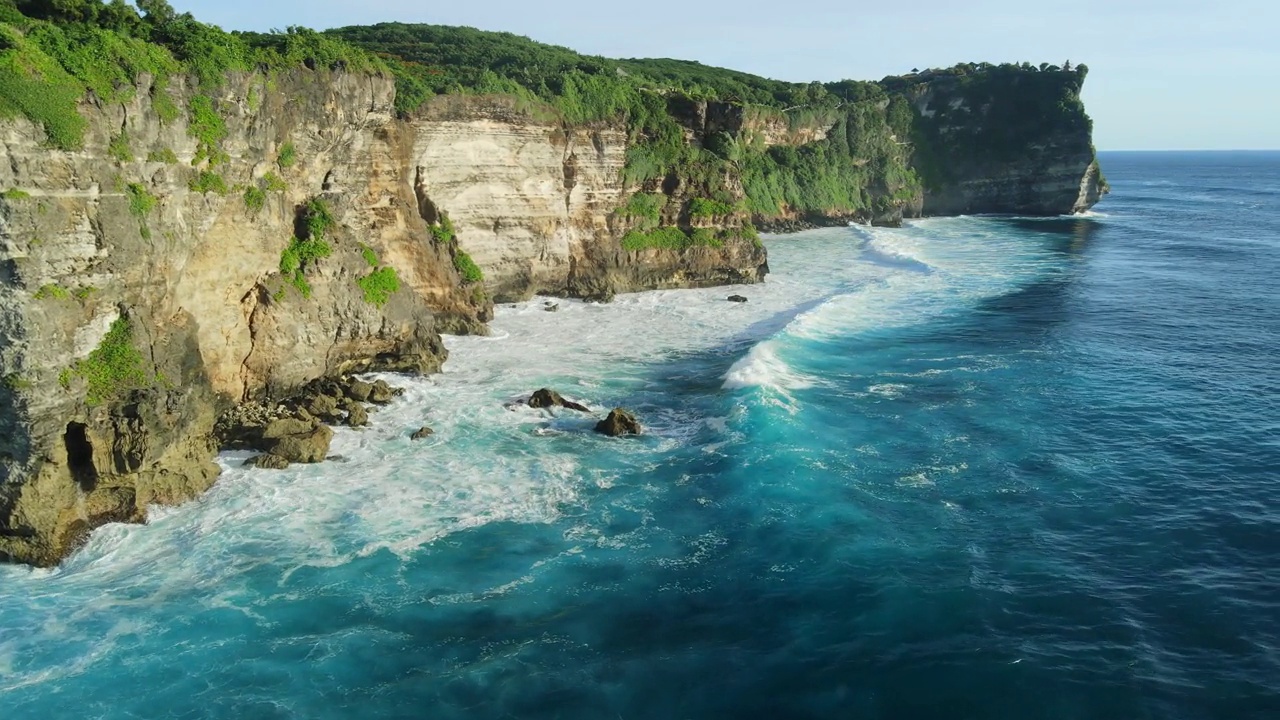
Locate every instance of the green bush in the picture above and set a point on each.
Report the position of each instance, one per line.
(118, 148)
(208, 182)
(209, 130)
(370, 257)
(272, 182)
(317, 218)
(644, 207)
(114, 367)
(254, 199)
(35, 85)
(379, 285)
(466, 267)
(671, 238)
(15, 194)
(704, 208)
(443, 231)
(141, 201)
(164, 155)
(52, 292)
(288, 155)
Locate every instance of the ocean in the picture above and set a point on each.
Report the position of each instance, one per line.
(975, 467)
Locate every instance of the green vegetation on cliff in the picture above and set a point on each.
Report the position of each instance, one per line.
(763, 148)
(308, 246)
(53, 52)
(114, 367)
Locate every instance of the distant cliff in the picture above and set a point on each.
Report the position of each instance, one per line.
(191, 220)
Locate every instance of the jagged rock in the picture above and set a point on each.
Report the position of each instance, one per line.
(285, 427)
(309, 447)
(421, 433)
(359, 390)
(548, 398)
(267, 461)
(737, 298)
(619, 422)
(323, 406)
(381, 393)
(357, 416)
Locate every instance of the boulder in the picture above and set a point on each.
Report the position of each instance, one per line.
(323, 406)
(548, 398)
(285, 427)
(309, 447)
(737, 298)
(357, 416)
(619, 422)
(381, 393)
(359, 390)
(421, 433)
(267, 461)
(551, 307)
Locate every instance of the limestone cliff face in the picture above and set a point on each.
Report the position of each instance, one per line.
(146, 284)
(534, 202)
(1005, 141)
(110, 253)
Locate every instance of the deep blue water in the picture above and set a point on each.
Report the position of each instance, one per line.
(971, 468)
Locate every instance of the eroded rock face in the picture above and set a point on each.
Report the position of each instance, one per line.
(533, 202)
(195, 279)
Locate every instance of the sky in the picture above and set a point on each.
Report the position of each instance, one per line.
(1163, 74)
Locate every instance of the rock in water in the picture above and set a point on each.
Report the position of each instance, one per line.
(422, 432)
(381, 393)
(737, 298)
(359, 390)
(357, 416)
(267, 462)
(548, 398)
(285, 427)
(309, 447)
(545, 398)
(551, 307)
(619, 422)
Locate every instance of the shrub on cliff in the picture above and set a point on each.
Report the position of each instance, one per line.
(466, 267)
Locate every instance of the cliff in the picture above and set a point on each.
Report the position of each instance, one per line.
(183, 232)
(1004, 139)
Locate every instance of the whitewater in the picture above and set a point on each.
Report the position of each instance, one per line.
(905, 475)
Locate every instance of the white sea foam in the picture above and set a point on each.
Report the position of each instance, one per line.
(761, 367)
(487, 463)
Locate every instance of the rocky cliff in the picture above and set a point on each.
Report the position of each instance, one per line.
(166, 271)
(181, 241)
(1004, 139)
(141, 294)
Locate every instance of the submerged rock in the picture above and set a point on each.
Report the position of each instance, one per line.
(421, 433)
(548, 398)
(737, 298)
(551, 307)
(619, 422)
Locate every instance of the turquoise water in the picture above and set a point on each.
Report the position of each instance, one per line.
(970, 468)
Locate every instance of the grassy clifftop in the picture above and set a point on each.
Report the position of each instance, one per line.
(856, 149)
